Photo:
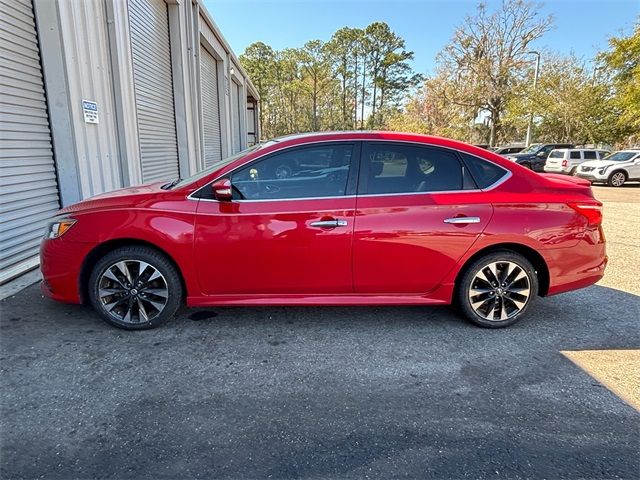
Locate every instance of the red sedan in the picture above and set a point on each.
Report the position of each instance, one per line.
(359, 218)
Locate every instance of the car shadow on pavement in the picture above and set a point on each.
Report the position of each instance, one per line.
(587, 311)
(314, 392)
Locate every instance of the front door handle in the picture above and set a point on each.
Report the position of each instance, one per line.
(462, 220)
(329, 223)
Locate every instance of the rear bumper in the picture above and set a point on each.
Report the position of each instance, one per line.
(551, 169)
(579, 266)
(61, 264)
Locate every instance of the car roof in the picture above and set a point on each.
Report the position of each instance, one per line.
(356, 135)
(276, 145)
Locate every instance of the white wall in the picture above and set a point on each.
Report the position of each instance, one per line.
(86, 55)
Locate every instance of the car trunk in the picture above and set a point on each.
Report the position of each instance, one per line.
(564, 182)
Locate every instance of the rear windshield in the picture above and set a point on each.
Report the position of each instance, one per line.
(557, 154)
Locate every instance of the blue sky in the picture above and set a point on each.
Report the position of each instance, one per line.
(580, 26)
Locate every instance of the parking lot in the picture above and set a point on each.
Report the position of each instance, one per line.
(382, 392)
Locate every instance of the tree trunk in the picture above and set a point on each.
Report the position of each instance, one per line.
(364, 81)
(373, 103)
(343, 124)
(355, 93)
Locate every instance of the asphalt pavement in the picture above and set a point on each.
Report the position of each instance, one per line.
(385, 392)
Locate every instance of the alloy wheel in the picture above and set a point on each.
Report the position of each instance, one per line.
(133, 291)
(499, 291)
(617, 179)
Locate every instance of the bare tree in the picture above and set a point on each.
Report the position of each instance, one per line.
(487, 54)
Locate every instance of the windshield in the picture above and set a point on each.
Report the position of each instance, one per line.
(621, 156)
(218, 165)
(532, 148)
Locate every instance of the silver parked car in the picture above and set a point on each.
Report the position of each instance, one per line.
(614, 170)
(567, 160)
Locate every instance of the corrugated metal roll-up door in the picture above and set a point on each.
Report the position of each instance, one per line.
(210, 108)
(28, 186)
(153, 83)
(235, 116)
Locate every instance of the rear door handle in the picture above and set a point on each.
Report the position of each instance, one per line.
(461, 220)
(329, 223)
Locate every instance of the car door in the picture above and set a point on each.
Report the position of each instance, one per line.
(288, 228)
(634, 168)
(575, 158)
(418, 212)
(589, 155)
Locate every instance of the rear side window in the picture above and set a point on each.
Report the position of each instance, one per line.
(401, 168)
(589, 155)
(484, 172)
(575, 155)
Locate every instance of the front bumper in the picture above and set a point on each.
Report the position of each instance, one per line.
(591, 177)
(61, 263)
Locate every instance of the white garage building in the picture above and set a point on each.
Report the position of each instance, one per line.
(101, 94)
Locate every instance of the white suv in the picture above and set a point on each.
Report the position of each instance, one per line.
(614, 170)
(567, 160)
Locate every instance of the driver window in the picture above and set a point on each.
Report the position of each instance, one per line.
(318, 171)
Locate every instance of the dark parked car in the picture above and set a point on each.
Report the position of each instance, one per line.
(508, 150)
(535, 156)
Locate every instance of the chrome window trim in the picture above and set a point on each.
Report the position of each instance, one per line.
(508, 174)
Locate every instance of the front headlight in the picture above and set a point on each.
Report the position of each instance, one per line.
(59, 227)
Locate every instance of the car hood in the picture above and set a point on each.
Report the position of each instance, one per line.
(521, 156)
(600, 163)
(123, 197)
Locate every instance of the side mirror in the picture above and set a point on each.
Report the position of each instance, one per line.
(222, 190)
(541, 154)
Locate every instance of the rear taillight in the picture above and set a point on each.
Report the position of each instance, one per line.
(593, 211)
(564, 163)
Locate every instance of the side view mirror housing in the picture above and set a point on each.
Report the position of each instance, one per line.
(541, 155)
(222, 190)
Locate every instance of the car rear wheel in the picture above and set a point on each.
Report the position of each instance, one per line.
(617, 179)
(135, 288)
(497, 289)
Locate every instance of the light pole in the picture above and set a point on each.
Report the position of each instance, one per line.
(535, 82)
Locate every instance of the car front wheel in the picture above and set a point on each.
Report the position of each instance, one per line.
(497, 289)
(135, 288)
(617, 179)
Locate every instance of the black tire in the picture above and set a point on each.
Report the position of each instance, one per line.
(574, 171)
(505, 297)
(617, 178)
(169, 276)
